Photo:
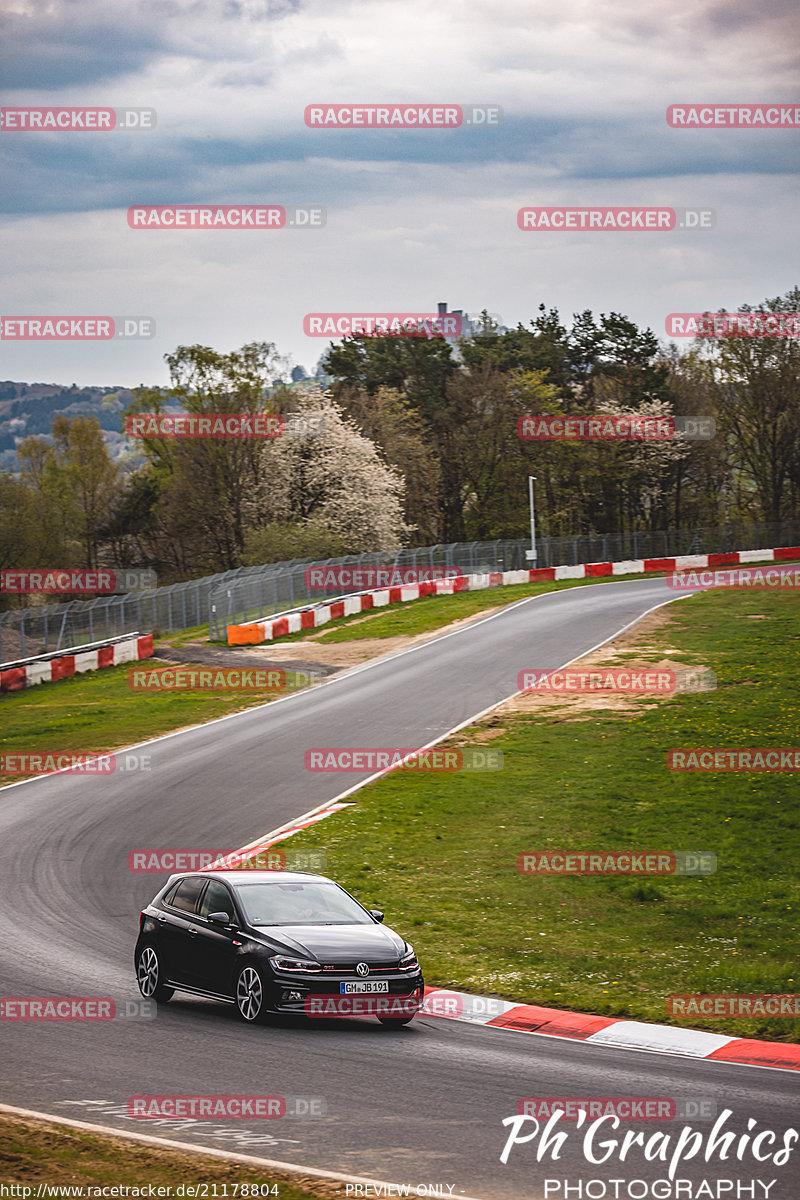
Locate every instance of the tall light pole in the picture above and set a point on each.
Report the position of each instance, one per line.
(531, 554)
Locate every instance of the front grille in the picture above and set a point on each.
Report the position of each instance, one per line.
(349, 969)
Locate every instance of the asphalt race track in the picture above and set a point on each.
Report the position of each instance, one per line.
(422, 1105)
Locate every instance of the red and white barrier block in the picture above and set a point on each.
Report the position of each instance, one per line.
(312, 618)
(609, 1031)
(47, 668)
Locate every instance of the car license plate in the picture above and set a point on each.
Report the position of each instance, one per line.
(360, 986)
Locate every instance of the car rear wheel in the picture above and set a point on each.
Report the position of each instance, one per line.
(148, 976)
(250, 997)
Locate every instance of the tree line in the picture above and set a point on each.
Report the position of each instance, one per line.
(418, 445)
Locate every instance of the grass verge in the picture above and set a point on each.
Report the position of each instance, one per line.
(36, 1152)
(97, 712)
(438, 852)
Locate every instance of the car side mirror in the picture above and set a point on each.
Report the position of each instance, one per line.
(219, 918)
(377, 914)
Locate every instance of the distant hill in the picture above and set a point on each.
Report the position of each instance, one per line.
(27, 409)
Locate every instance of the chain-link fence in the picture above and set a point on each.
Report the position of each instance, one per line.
(31, 631)
(264, 591)
(251, 593)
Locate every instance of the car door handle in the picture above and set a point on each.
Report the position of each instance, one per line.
(192, 932)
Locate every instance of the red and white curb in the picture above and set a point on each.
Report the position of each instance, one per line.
(615, 1032)
(280, 835)
(47, 668)
(312, 618)
(306, 822)
(609, 1031)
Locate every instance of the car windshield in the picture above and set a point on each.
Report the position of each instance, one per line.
(300, 904)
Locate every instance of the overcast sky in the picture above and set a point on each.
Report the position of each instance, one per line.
(413, 217)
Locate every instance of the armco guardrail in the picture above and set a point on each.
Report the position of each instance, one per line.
(282, 625)
(47, 668)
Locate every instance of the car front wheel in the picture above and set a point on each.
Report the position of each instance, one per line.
(148, 976)
(250, 998)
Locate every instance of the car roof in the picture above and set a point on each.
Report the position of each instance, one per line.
(236, 876)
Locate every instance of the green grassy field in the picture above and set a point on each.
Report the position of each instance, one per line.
(438, 852)
(98, 711)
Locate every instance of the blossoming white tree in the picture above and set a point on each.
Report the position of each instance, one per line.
(332, 477)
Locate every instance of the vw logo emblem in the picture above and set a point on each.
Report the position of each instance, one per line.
(362, 969)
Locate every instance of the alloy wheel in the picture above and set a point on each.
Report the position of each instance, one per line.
(249, 994)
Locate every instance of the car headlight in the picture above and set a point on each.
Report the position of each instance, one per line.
(282, 963)
(408, 962)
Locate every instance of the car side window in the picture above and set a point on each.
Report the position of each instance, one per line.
(185, 898)
(217, 898)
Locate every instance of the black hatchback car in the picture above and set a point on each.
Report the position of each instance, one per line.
(275, 942)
